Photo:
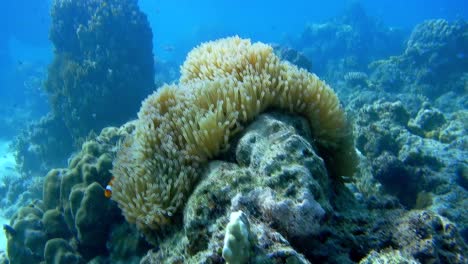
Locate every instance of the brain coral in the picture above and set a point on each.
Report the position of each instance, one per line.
(224, 85)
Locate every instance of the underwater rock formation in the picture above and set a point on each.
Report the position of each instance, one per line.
(388, 257)
(254, 173)
(429, 238)
(348, 43)
(296, 212)
(224, 85)
(405, 203)
(412, 160)
(73, 220)
(103, 51)
(433, 63)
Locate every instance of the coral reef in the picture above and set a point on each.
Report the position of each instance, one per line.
(224, 84)
(42, 146)
(73, 221)
(296, 212)
(388, 257)
(17, 191)
(57, 250)
(429, 238)
(432, 63)
(348, 43)
(412, 164)
(103, 51)
(218, 169)
(272, 172)
(284, 196)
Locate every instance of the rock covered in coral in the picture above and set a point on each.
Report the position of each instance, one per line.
(182, 127)
(103, 51)
(27, 237)
(348, 43)
(429, 238)
(455, 129)
(74, 220)
(427, 121)
(226, 187)
(421, 171)
(388, 257)
(272, 172)
(438, 37)
(433, 63)
(57, 250)
(296, 213)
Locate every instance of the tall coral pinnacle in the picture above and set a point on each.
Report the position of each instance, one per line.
(224, 85)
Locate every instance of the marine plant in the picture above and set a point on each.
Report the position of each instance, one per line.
(224, 85)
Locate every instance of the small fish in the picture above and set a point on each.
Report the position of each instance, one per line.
(9, 230)
(108, 190)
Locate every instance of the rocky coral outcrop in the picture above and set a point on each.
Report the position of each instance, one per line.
(278, 192)
(432, 64)
(412, 160)
(103, 51)
(348, 43)
(272, 173)
(74, 220)
(295, 211)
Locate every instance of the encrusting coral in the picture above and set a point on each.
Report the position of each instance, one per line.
(224, 85)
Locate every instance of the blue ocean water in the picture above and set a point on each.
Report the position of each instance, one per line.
(180, 25)
(183, 24)
(395, 65)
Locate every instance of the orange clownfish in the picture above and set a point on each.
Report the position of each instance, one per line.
(108, 190)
